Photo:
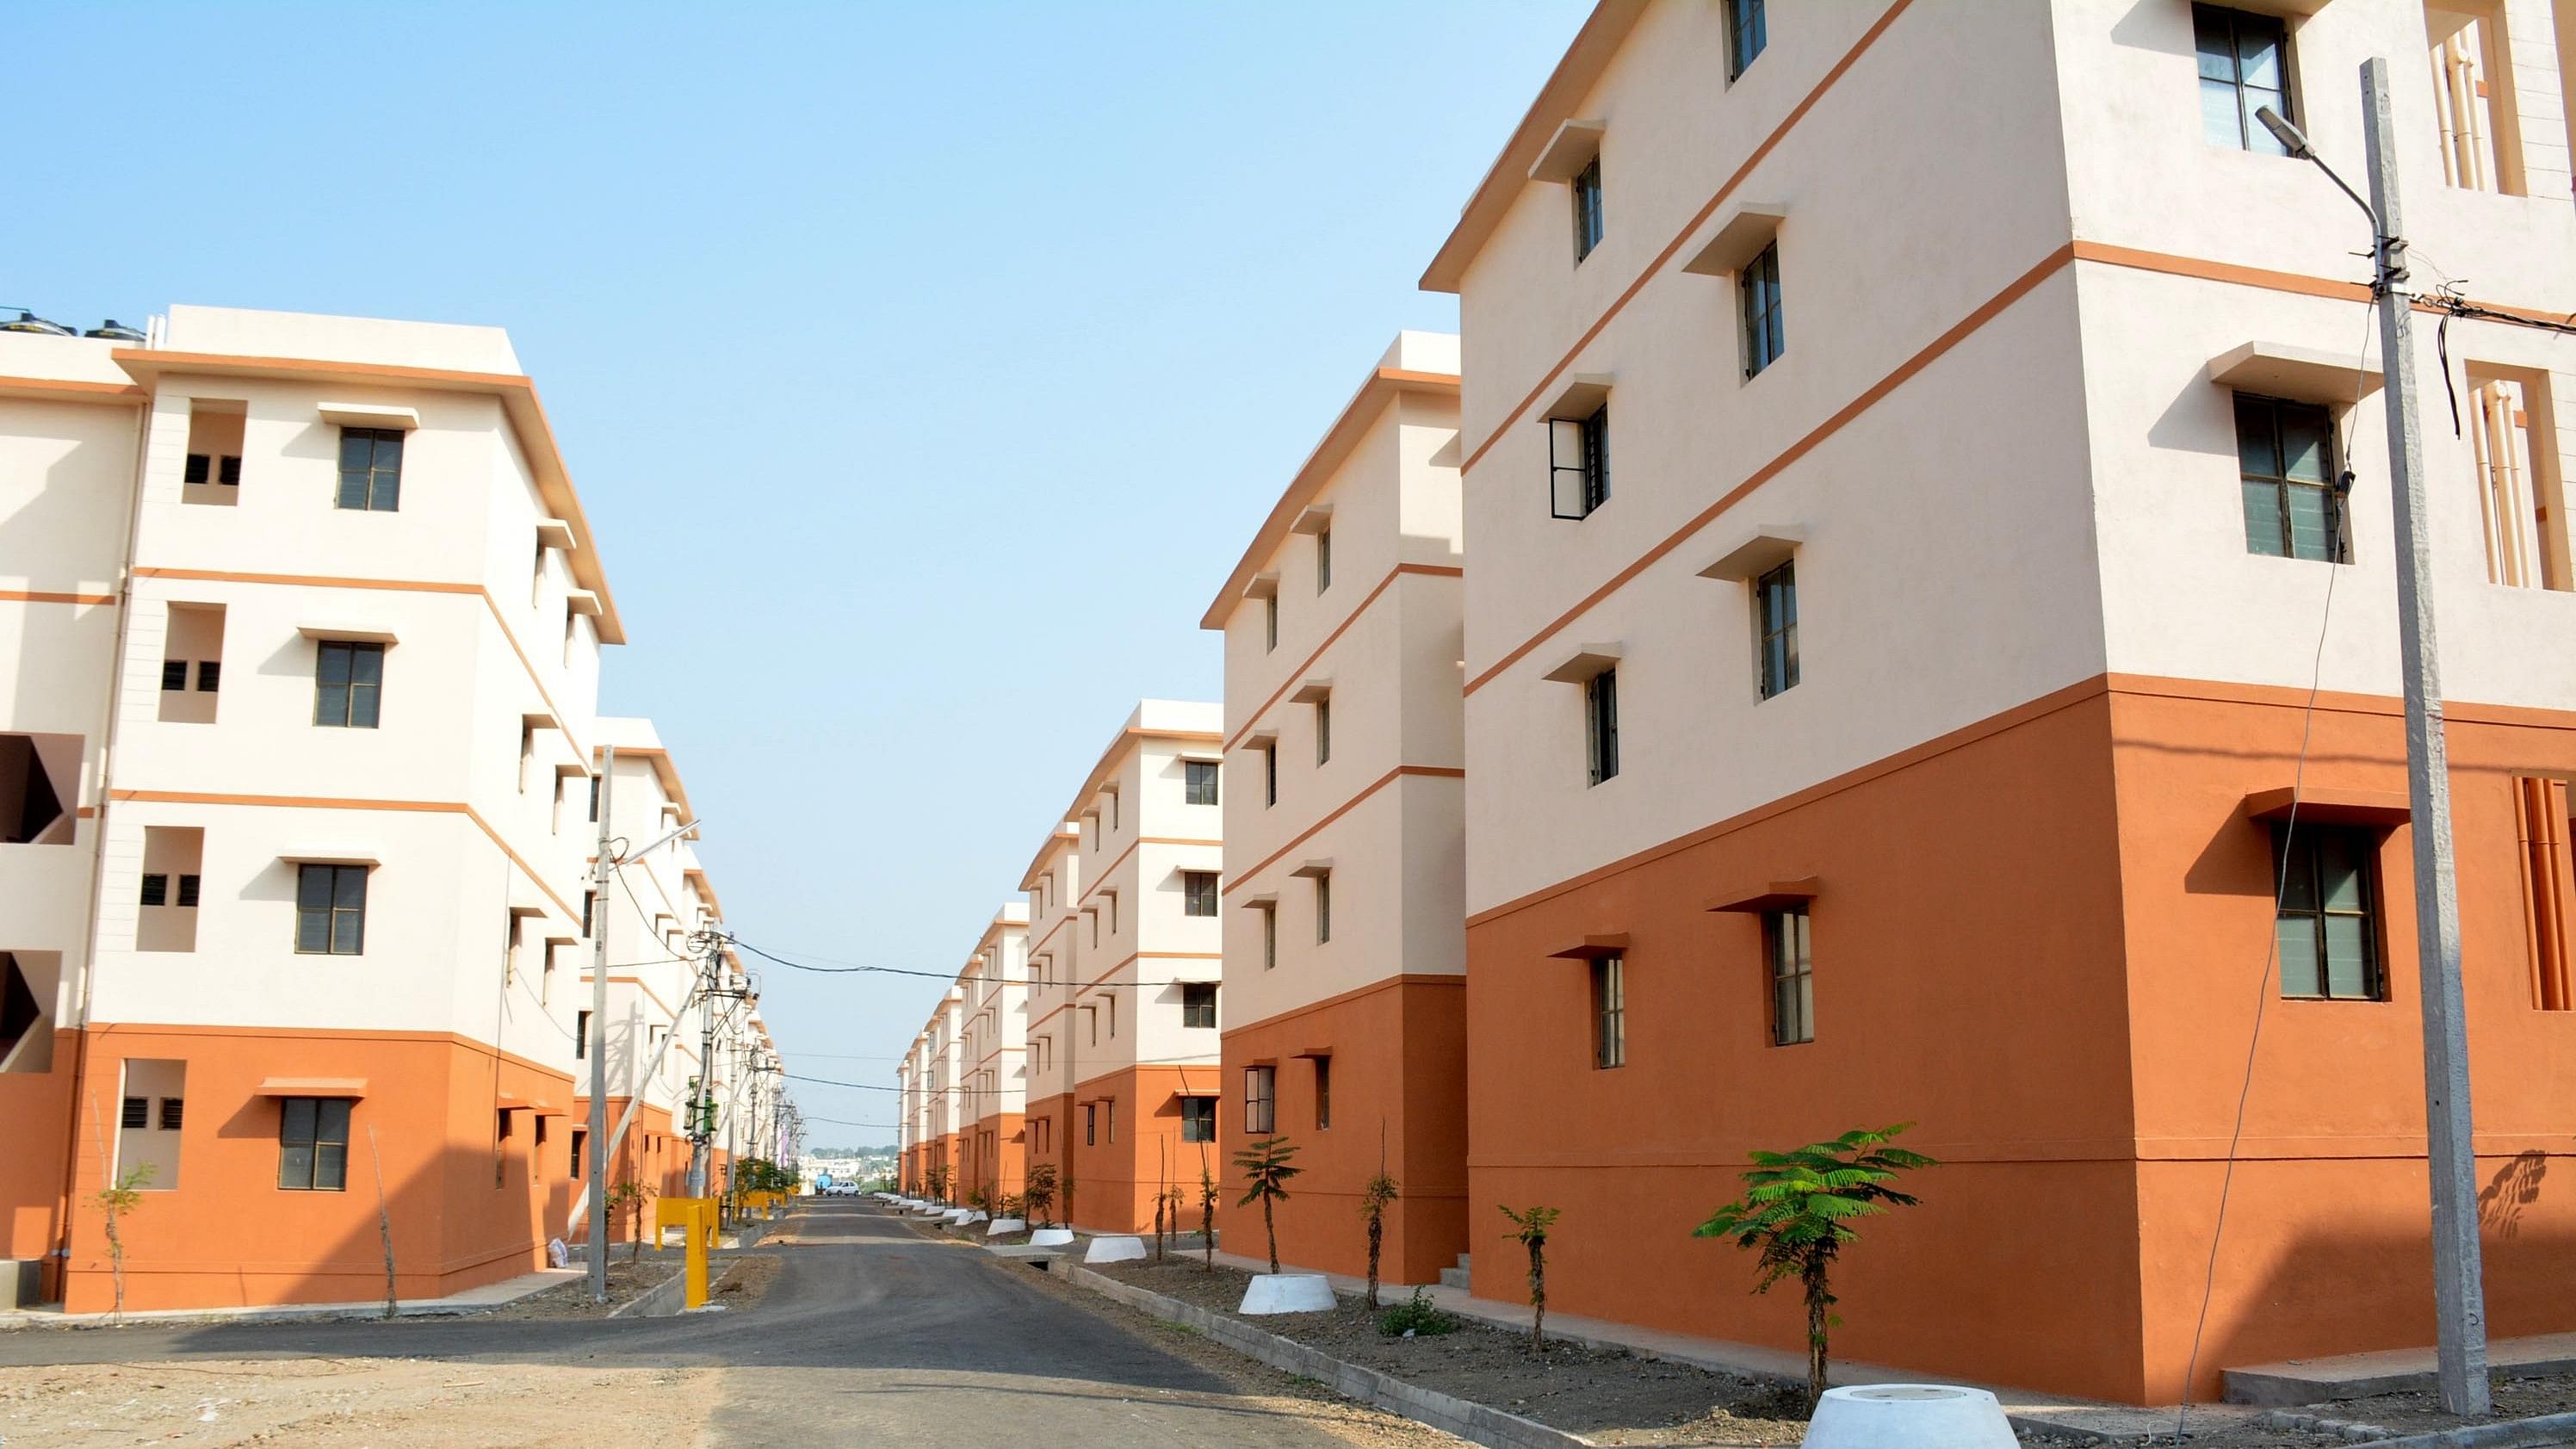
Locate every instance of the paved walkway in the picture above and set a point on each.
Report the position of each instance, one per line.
(472, 1300)
(871, 1334)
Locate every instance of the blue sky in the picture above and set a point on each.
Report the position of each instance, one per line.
(924, 369)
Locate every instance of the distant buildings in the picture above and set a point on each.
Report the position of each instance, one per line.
(303, 624)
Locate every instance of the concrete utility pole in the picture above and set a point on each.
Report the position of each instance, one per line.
(597, 1042)
(701, 1135)
(2459, 1298)
(2459, 1295)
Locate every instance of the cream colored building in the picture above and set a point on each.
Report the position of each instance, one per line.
(1345, 957)
(1124, 950)
(1900, 443)
(297, 688)
(992, 1050)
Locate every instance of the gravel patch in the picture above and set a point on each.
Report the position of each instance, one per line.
(2344, 1422)
(571, 1298)
(1610, 1396)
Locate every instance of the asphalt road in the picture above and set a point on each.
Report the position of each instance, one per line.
(871, 1334)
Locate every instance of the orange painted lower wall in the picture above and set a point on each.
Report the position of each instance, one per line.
(1398, 1088)
(2042, 940)
(38, 1108)
(1116, 1173)
(996, 1157)
(467, 1204)
(643, 1158)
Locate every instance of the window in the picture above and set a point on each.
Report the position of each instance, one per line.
(2327, 924)
(1578, 463)
(347, 680)
(1260, 1100)
(1269, 774)
(1198, 1004)
(2476, 93)
(313, 1144)
(1090, 1124)
(1609, 1013)
(1269, 937)
(589, 912)
(331, 910)
(174, 674)
(581, 1036)
(2549, 888)
(1323, 1093)
(1323, 729)
(210, 673)
(580, 1149)
(2519, 488)
(156, 889)
(1198, 1119)
(1764, 336)
(1775, 599)
(1601, 723)
(2285, 460)
(371, 469)
(173, 1111)
(1198, 893)
(1793, 985)
(137, 1112)
(594, 799)
(188, 889)
(2243, 68)
(1323, 558)
(1323, 907)
(1746, 34)
(1587, 209)
(1111, 1116)
(1269, 623)
(1198, 781)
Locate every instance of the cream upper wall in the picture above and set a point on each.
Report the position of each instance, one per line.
(247, 332)
(1393, 670)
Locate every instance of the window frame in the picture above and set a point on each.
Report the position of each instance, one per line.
(1204, 1006)
(352, 652)
(1748, 34)
(1323, 1092)
(1578, 464)
(2251, 135)
(1199, 888)
(1193, 774)
(314, 1144)
(379, 487)
(1758, 305)
(1591, 216)
(1789, 960)
(332, 909)
(2364, 845)
(1601, 725)
(1198, 1119)
(1261, 1100)
(1323, 558)
(1775, 619)
(1609, 1014)
(2338, 516)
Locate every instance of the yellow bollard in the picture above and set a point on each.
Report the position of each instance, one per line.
(695, 1217)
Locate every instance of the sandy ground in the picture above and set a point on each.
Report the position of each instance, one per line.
(359, 1403)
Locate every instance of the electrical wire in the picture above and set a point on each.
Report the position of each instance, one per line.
(2280, 892)
(852, 968)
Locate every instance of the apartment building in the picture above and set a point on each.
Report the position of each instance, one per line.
(302, 646)
(1345, 957)
(909, 1154)
(1901, 449)
(994, 1001)
(1124, 963)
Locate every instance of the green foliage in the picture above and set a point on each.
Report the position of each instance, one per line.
(935, 1182)
(630, 1197)
(1418, 1316)
(1800, 1210)
(1379, 1191)
(1266, 1170)
(1529, 1227)
(1040, 1195)
(759, 1174)
(1207, 1215)
(114, 1201)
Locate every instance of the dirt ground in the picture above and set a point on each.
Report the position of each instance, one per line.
(1610, 1396)
(2415, 1413)
(571, 1298)
(351, 1404)
(1264, 1387)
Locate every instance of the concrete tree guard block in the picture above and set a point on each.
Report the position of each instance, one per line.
(1115, 1250)
(955, 1215)
(930, 1210)
(1287, 1293)
(1918, 1416)
(999, 1226)
(975, 1215)
(1051, 1238)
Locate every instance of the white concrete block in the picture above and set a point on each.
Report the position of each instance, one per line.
(999, 1226)
(1287, 1293)
(1051, 1238)
(1918, 1416)
(1115, 1250)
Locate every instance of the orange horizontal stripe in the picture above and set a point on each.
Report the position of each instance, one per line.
(318, 802)
(1445, 772)
(43, 596)
(1449, 571)
(1931, 352)
(72, 389)
(1390, 983)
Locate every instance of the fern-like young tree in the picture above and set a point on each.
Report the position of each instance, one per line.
(1798, 1212)
(1530, 1227)
(1266, 1170)
(1207, 1216)
(629, 1198)
(1040, 1194)
(1374, 1196)
(114, 1201)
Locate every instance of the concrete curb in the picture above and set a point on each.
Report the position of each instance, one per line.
(2547, 1429)
(1470, 1421)
(662, 1300)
